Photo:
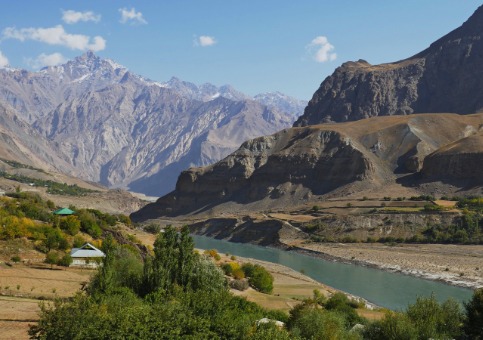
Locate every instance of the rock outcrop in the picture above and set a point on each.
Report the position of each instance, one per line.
(303, 164)
(446, 77)
(458, 161)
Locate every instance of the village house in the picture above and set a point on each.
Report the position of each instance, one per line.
(86, 256)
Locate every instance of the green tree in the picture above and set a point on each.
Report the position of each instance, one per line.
(473, 325)
(433, 320)
(51, 258)
(185, 257)
(394, 326)
(70, 224)
(65, 261)
(315, 323)
(54, 240)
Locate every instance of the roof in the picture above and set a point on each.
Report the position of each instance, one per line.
(63, 211)
(87, 250)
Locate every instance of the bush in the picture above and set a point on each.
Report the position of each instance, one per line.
(248, 269)
(70, 224)
(15, 259)
(227, 269)
(238, 274)
(395, 326)
(125, 219)
(213, 253)
(239, 285)
(79, 241)
(152, 228)
(51, 258)
(313, 323)
(65, 261)
(261, 280)
(339, 302)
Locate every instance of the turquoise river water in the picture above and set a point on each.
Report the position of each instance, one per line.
(386, 289)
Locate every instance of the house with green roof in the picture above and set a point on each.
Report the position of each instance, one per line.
(63, 212)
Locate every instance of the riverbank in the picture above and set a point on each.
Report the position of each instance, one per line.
(457, 265)
(291, 287)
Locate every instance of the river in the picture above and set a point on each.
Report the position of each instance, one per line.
(391, 290)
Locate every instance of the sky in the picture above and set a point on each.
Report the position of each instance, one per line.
(255, 46)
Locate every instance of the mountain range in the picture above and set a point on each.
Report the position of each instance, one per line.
(97, 120)
(405, 128)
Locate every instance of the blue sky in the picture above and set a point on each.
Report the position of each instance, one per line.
(256, 46)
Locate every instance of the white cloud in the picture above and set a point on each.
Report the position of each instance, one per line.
(205, 41)
(3, 60)
(47, 60)
(72, 17)
(322, 50)
(56, 36)
(131, 16)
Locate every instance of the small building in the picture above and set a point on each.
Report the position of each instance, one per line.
(63, 212)
(86, 256)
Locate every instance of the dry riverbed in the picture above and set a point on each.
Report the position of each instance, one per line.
(460, 265)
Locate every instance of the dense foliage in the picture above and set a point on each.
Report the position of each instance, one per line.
(27, 215)
(174, 293)
(178, 293)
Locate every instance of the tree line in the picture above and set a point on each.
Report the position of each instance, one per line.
(177, 293)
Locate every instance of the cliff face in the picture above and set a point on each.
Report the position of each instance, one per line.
(446, 77)
(461, 161)
(299, 164)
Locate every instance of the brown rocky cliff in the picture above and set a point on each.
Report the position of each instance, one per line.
(446, 77)
(461, 160)
(296, 164)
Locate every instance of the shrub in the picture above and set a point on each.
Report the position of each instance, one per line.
(227, 269)
(248, 269)
(213, 253)
(70, 224)
(392, 326)
(239, 285)
(15, 259)
(339, 302)
(79, 241)
(318, 324)
(261, 279)
(65, 261)
(51, 258)
(152, 228)
(238, 274)
(125, 219)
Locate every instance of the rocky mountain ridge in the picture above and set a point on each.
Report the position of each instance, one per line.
(111, 126)
(446, 77)
(302, 165)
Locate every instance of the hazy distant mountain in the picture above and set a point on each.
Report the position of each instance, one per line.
(445, 77)
(282, 102)
(123, 130)
(204, 92)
